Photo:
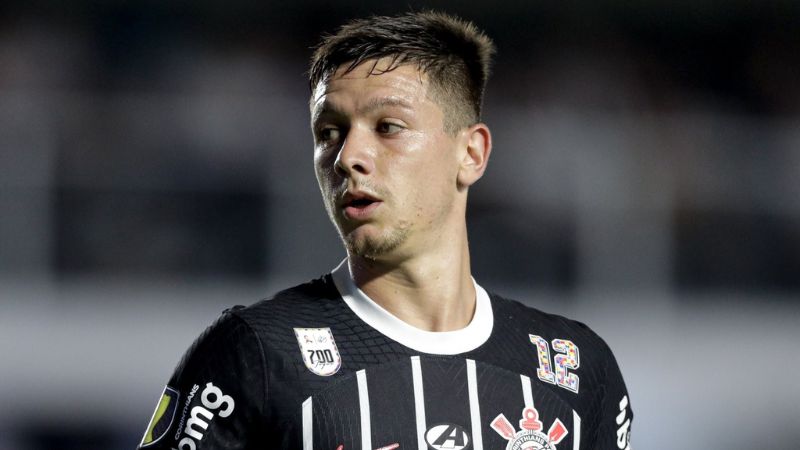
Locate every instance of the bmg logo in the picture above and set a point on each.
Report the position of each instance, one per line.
(214, 401)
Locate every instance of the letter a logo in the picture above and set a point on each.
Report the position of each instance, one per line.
(447, 437)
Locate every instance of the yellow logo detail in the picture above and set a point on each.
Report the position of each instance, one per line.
(162, 417)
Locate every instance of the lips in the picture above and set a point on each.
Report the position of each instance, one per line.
(359, 204)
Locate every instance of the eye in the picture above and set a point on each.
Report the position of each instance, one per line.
(385, 127)
(328, 133)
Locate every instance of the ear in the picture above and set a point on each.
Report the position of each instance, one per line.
(478, 145)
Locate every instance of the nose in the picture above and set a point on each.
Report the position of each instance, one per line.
(356, 154)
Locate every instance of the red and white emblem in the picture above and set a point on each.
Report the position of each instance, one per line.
(319, 350)
(531, 435)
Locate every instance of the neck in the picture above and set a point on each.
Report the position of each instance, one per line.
(432, 291)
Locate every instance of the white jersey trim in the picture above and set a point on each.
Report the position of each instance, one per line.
(474, 406)
(308, 424)
(434, 342)
(363, 403)
(419, 402)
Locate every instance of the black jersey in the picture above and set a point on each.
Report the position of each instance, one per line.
(321, 366)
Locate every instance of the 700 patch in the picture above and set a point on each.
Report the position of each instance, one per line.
(162, 417)
(319, 350)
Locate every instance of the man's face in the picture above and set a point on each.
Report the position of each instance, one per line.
(385, 165)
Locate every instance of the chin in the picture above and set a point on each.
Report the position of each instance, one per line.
(374, 247)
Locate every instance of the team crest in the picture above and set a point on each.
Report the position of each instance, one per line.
(319, 350)
(162, 417)
(531, 435)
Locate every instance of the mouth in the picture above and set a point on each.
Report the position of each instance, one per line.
(359, 205)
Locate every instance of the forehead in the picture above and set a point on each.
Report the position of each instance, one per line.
(370, 80)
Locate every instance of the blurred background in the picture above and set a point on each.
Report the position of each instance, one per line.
(156, 168)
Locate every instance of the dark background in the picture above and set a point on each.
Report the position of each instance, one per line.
(155, 168)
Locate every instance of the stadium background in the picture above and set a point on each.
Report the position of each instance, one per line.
(155, 168)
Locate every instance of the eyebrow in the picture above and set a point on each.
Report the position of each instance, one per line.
(383, 102)
(370, 106)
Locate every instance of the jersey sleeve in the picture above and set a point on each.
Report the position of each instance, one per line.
(216, 395)
(614, 431)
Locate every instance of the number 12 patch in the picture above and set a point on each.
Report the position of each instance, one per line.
(567, 357)
(319, 350)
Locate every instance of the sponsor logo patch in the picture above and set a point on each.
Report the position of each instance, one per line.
(214, 403)
(319, 350)
(624, 430)
(162, 417)
(447, 437)
(530, 437)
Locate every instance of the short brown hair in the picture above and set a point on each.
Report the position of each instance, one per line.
(453, 53)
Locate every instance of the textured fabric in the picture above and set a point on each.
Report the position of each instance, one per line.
(302, 371)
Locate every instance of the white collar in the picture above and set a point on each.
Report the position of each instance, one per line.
(433, 342)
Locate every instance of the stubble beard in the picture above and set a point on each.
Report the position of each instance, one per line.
(368, 246)
(374, 247)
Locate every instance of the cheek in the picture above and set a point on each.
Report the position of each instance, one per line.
(441, 169)
(434, 188)
(425, 171)
(323, 169)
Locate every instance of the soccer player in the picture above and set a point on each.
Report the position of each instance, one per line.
(398, 347)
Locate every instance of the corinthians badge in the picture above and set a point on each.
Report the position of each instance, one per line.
(531, 435)
(319, 350)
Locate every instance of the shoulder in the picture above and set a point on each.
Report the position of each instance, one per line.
(272, 322)
(310, 299)
(237, 328)
(570, 354)
(514, 310)
(544, 326)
